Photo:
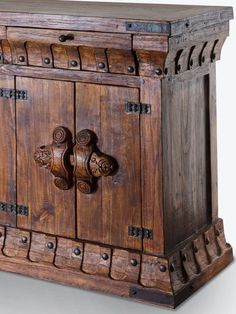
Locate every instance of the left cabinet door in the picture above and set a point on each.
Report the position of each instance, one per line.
(49, 104)
(7, 153)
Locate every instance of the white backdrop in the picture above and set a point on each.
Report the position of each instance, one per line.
(24, 295)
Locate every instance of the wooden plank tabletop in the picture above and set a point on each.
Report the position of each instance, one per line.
(150, 12)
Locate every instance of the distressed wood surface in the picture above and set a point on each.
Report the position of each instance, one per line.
(105, 215)
(99, 40)
(151, 166)
(186, 158)
(8, 152)
(51, 210)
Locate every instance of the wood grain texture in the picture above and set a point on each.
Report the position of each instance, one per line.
(151, 166)
(93, 59)
(8, 151)
(213, 142)
(151, 275)
(17, 243)
(75, 76)
(186, 158)
(89, 39)
(122, 268)
(39, 250)
(94, 263)
(101, 215)
(49, 104)
(65, 254)
(120, 61)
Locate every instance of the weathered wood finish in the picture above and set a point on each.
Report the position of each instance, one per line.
(50, 210)
(101, 216)
(8, 155)
(186, 158)
(108, 136)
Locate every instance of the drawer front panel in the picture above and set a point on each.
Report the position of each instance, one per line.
(74, 38)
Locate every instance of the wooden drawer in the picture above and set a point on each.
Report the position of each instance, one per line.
(70, 38)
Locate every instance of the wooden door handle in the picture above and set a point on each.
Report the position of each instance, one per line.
(89, 163)
(81, 162)
(56, 157)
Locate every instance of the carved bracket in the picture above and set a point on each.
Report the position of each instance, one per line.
(55, 157)
(89, 162)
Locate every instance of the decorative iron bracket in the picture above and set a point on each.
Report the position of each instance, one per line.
(140, 232)
(14, 209)
(13, 93)
(139, 108)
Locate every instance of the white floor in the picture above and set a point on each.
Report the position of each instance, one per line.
(22, 295)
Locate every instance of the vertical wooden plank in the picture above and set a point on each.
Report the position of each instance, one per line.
(7, 152)
(121, 193)
(151, 161)
(49, 104)
(105, 215)
(213, 141)
(89, 206)
(186, 158)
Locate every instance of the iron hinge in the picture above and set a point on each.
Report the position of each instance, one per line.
(140, 232)
(14, 209)
(13, 93)
(137, 108)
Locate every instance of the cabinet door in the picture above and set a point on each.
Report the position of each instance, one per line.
(7, 153)
(105, 215)
(49, 104)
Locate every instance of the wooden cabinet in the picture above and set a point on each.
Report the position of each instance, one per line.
(108, 146)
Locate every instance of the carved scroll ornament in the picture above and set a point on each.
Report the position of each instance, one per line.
(85, 166)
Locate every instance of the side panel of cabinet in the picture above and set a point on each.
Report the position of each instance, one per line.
(7, 152)
(49, 104)
(105, 215)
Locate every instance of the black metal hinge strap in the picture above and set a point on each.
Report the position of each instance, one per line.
(140, 232)
(14, 209)
(13, 93)
(137, 108)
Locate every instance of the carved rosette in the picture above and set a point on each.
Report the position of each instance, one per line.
(90, 163)
(55, 157)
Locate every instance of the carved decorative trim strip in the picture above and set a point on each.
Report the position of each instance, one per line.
(167, 274)
(154, 61)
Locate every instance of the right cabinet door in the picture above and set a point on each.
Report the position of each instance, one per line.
(105, 215)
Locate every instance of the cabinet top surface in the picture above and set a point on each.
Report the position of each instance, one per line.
(149, 12)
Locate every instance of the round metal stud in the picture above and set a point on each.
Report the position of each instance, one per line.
(105, 256)
(133, 262)
(162, 268)
(47, 60)
(50, 245)
(158, 71)
(77, 251)
(74, 63)
(101, 65)
(24, 239)
(130, 69)
(21, 58)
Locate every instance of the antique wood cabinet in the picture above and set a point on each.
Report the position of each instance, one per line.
(108, 161)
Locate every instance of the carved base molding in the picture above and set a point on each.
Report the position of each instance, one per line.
(159, 280)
